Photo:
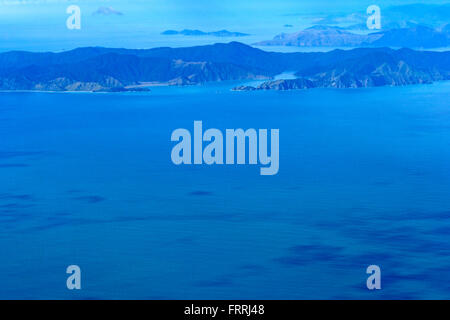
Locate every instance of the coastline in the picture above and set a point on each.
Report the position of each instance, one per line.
(232, 88)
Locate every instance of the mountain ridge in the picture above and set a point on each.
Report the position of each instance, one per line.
(416, 36)
(118, 69)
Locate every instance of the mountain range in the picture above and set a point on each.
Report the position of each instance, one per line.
(331, 36)
(108, 69)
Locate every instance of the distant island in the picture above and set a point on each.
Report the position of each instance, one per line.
(416, 36)
(106, 69)
(220, 33)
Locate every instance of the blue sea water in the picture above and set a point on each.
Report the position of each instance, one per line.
(364, 179)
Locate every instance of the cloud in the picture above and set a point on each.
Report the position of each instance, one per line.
(107, 11)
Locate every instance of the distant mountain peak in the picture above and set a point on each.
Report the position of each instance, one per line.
(317, 36)
(415, 36)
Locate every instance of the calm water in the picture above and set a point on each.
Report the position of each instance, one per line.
(364, 179)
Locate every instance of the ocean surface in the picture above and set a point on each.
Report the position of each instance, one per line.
(364, 179)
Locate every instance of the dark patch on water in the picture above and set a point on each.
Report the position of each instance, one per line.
(63, 220)
(90, 199)
(391, 278)
(294, 188)
(56, 222)
(252, 267)
(376, 258)
(74, 191)
(14, 165)
(413, 243)
(406, 239)
(358, 210)
(382, 183)
(442, 215)
(185, 240)
(7, 196)
(182, 217)
(15, 154)
(15, 206)
(437, 278)
(416, 215)
(417, 173)
(200, 193)
(250, 270)
(440, 231)
(10, 219)
(185, 217)
(219, 282)
(306, 254)
(7, 212)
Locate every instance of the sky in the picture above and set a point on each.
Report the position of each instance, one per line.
(40, 25)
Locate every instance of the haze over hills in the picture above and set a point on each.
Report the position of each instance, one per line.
(220, 33)
(331, 36)
(394, 17)
(317, 36)
(104, 69)
(414, 37)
